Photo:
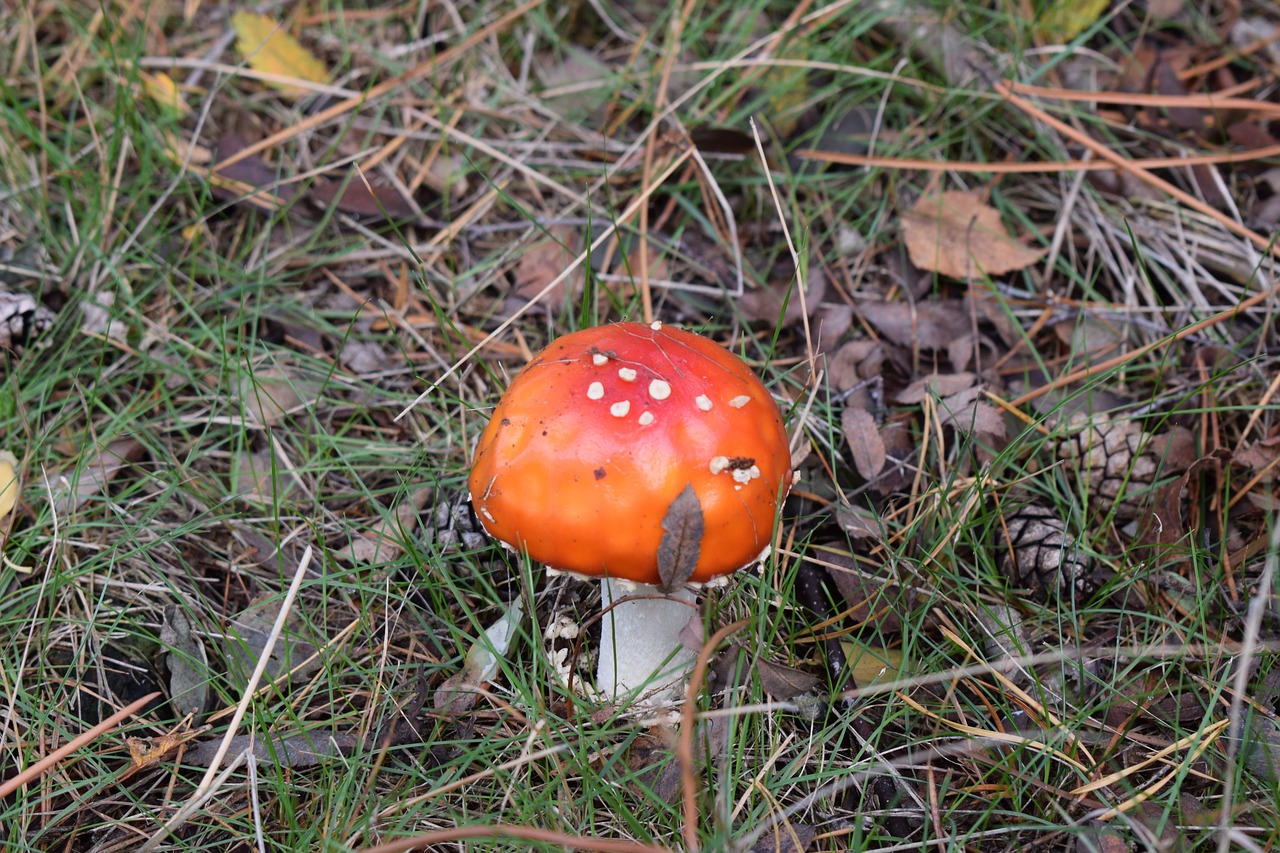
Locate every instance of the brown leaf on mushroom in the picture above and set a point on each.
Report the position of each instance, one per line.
(682, 540)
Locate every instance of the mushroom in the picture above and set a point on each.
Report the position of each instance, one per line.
(644, 455)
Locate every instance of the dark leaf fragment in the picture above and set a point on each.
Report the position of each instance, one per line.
(253, 172)
(792, 838)
(187, 662)
(784, 682)
(373, 201)
(681, 541)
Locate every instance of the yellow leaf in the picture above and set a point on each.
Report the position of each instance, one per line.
(161, 89)
(870, 664)
(268, 48)
(1066, 19)
(8, 482)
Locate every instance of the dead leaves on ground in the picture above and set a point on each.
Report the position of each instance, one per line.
(956, 234)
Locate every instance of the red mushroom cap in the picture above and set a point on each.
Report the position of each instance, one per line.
(604, 429)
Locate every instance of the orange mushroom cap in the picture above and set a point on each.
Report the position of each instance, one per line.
(603, 430)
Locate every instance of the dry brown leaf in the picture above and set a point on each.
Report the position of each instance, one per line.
(1260, 454)
(146, 751)
(779, 301)
(372, 200)
(931, 325)
(956, 234)
(543, 262)
(865, 444)
(1091, 336)
(967, 413)
(266, 47)
(873, 600)
(854, 362)
(936, 385)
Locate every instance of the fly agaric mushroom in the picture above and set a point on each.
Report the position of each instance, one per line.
(647, 456)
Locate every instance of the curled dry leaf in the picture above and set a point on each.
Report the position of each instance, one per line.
(681, 540)
(956, 234)
(865, 444)
(855, 361)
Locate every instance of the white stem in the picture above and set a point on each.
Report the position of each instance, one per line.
(640, 644)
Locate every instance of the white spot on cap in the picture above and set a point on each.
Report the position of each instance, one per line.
(626, 374)
(646, 418)
(619, 410)
(599, 359)
(656, 325)
(484, 510)
(719, 463)
(745, 475)
(659, 390)
(595, 391)
(739, 401)
(703, 402)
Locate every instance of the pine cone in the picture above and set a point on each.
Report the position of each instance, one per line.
(21, 320)
(456, 525)
(1120, 462)
(1037, 553)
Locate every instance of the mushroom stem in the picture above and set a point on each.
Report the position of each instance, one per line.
(640, 646)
